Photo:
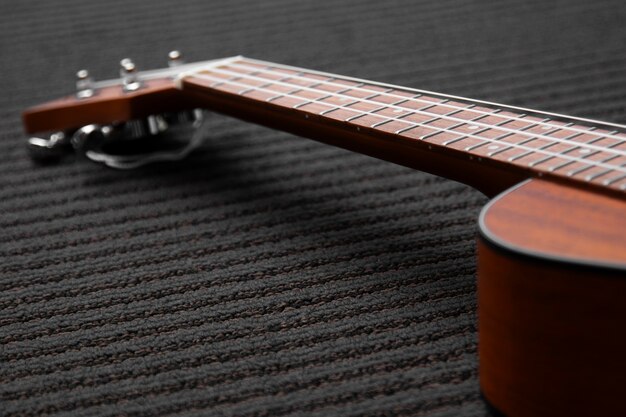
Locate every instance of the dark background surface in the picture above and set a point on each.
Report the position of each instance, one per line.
(268, 274)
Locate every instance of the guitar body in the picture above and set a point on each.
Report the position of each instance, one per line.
(552, 302)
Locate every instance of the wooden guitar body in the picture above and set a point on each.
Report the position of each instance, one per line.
(552, 302)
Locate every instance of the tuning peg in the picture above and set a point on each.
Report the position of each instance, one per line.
(174, 59)
(128, 73)
(49, 149)
(84, 84)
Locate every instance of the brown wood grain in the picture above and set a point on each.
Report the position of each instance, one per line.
(552, 339)
(243, 98)
(399, 125)
(554, 220)
(558, 147)
(108, 105)
(489, 178)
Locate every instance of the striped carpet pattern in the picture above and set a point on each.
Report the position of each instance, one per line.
(267, 275)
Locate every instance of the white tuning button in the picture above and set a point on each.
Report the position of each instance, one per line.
(174, 59)
(84, 84)
(128, 73)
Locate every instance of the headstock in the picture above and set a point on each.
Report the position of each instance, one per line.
(138, 106)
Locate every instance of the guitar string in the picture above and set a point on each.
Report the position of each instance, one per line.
(217, 81)
(299, 74)
(551, 138)
(190, 69)
(588, 163)
(610, 135)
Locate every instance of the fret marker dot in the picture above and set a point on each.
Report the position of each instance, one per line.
(473, 127)
(584, 151)
(398, 111)
(492, 147)
(546, 127)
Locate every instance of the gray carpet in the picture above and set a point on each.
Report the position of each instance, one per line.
(268, 275)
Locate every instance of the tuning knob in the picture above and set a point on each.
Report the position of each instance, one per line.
(174, 59)
(128, 73)
(49, 149)
(84, 84)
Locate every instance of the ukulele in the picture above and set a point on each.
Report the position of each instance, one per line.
(552, 241)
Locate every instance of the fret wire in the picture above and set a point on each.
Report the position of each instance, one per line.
(338, 108)
(547, 158)
(449, 142)
(610, 135)
(510, 145)
(208, 77)
(332, 109)
(463, 137)
(406, 129)
(218, 83)
(251, 89)
(524, 154)
(554, 168)
(276, 97)
(455, 140)
(296, 106)
(310, 86)
(268, 84)
(351, 118)
(563, 165)
(591, 177)
(395, 103)
(497, 139)
(540, 161)
(518, 145)
(408, 110)
(238, 77)
(534, 136)
(583, 169)
(493, 140)
(614, 180)
(603, 160)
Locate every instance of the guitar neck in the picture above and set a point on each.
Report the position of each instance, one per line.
(486, 145)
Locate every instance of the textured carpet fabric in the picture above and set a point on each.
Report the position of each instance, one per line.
(268, 274)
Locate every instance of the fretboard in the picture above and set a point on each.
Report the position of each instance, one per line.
(529, 143)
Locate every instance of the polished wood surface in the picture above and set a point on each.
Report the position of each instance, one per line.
(551, 337)
(526, 143)
(546, 219)
(490, 178)
(485, 145)
(551, 324)
(108, 105)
